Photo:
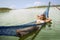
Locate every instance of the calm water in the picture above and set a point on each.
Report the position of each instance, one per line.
(22, 16)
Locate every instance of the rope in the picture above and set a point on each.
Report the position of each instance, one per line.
(58, 8)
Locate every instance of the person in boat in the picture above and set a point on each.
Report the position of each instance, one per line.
(40, 19)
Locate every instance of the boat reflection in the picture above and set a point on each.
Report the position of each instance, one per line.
(35, 33)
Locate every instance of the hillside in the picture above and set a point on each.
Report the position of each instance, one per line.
(2, 10)
(44, 6)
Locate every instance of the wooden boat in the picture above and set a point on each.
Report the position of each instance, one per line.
(11, 30)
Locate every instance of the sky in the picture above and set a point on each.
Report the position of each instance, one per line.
(17, 4)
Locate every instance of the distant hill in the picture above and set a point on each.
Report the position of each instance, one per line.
(5, 9)
(44, 6)
(2, 10)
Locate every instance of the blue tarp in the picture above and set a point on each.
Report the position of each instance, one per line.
(11, 30)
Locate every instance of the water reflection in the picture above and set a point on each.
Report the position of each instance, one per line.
(35, 33)
(49, 25)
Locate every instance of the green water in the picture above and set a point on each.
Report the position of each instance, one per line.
(19, 17)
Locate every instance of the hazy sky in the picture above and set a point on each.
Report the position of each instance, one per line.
(25, 3)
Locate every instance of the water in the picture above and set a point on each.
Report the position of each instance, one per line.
(17, 17)
(22, 16)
